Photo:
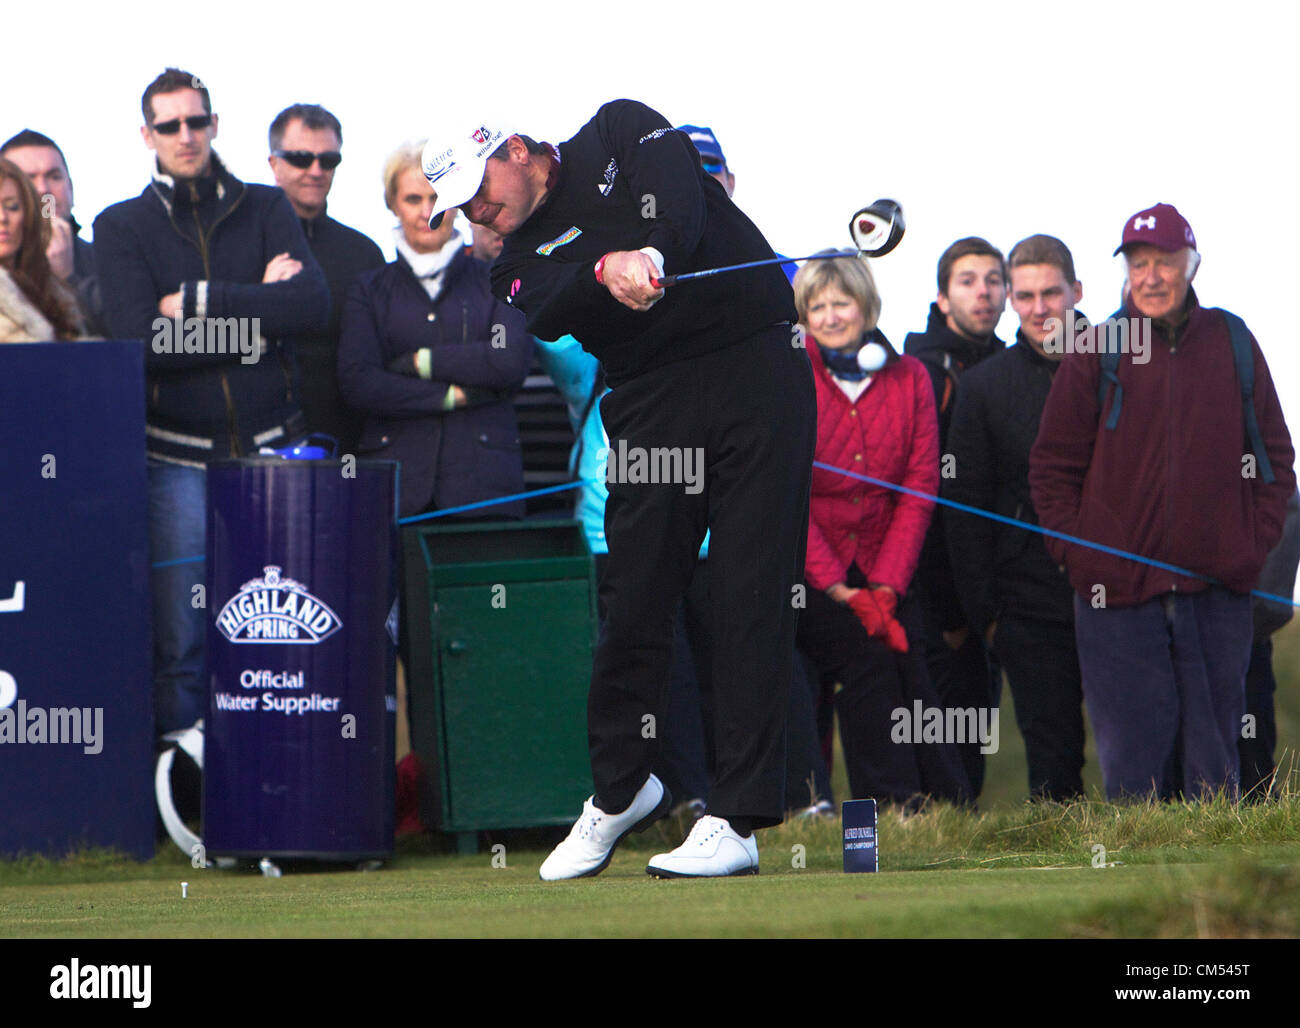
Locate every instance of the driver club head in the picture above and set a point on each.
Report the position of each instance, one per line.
(877, 229)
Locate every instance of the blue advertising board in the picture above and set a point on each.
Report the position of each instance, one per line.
(76, 717)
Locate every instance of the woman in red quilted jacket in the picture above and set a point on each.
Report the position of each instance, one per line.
(875, 420)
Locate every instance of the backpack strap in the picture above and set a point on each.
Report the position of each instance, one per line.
(1110, 377)
(1243, 355)
(950, 377)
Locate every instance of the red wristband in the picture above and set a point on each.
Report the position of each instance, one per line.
(600, 269)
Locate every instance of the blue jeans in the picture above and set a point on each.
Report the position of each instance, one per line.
(1164, 683)
(177, 530)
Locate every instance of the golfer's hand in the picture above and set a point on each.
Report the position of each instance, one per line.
(627, 275)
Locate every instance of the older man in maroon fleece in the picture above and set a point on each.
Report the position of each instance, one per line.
(1173, 478)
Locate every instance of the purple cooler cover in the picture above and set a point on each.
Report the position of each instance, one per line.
(302, 590)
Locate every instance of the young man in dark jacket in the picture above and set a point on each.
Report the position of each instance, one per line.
(707, 372)
(209, 272)
(1012, 592)
(972, 294)
(1161, 464)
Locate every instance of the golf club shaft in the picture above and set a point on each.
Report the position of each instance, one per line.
(669, 280)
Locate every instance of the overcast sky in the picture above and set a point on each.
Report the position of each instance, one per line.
(1000, 119)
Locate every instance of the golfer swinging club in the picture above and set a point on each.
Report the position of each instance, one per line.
(712, 369)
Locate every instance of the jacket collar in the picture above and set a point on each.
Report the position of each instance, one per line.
(938, 336)
(311, 227)
(1027, 351)
(218, 186)
(449, 274)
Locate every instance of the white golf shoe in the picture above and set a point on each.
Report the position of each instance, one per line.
(713, 849)
(590, 843)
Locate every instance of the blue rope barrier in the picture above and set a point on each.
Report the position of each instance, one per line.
(179, 560)
(851, 474)
(489, 503)
(1045, 531)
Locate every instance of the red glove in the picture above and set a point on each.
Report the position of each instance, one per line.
(892, 632)
(864, 605)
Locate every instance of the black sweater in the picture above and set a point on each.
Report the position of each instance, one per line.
(999, 568)
(629, 180)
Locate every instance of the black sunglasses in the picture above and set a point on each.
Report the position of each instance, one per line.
(329, 160)
(195, 122)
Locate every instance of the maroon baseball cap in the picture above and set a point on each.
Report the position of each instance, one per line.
(1160, 226)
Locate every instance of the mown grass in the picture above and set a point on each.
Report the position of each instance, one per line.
(1168, 870)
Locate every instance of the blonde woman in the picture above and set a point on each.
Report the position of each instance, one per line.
(431, 360)
(875, 419)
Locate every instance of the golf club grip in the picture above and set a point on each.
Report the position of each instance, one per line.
(663, 283)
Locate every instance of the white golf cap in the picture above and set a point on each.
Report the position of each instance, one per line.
(454, 160)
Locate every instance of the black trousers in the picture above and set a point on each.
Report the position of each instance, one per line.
(1042, 664)
(749, 411)
(875, 683)
(1256, 747)
(967, 677)
(687, 759)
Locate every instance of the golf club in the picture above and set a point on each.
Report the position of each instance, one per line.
(876, 230)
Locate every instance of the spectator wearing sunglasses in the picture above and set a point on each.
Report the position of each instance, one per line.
(306, 144)
(201, 245)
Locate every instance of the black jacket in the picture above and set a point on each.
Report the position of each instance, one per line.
(85, 283)
(448, 458)
(946, 355)
(211, 239)
(627, 180)
(343, 253)
(998, 568)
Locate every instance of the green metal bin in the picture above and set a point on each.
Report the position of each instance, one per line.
(501, 622)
